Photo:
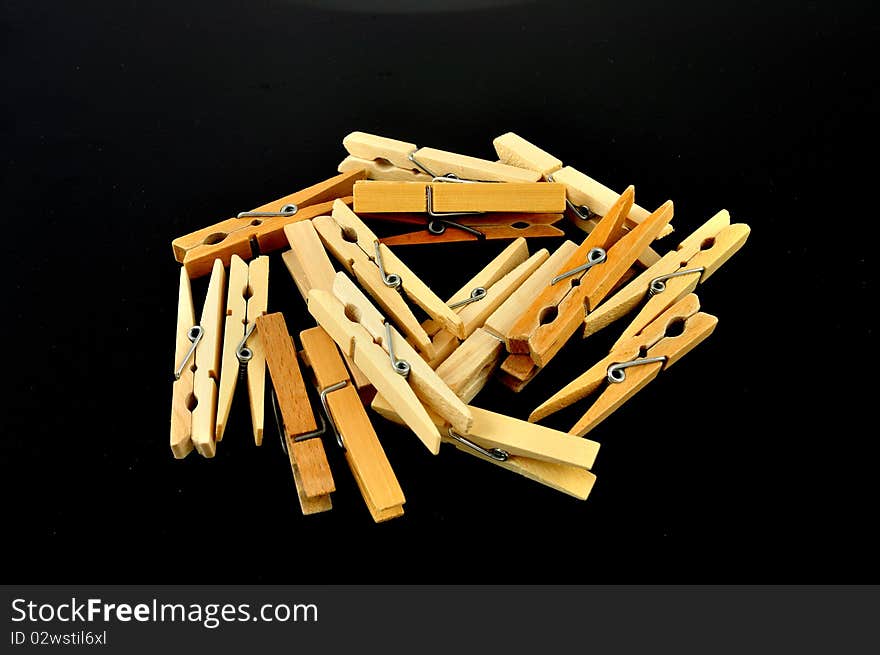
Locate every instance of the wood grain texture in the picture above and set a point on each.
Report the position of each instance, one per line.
(649, 256)
(257, 305)
(421, 294)
(444, 345)
(233, 331)
(514, 150)
(601, 279)
(364, 269)
(651, 342)
(392, 153)
(198, 249)
(467, 370)
(207, 359)
(287, 379)
(246, 299)
(428, 386)
(584, 190)
(698, 328)
(388, 152)
(554, 315)
(571, 480)
(494, 226)
(365, 455)
(307, 261)
(268, 235)
(627, 299)
(354, 340)
(314, 469)
(322, 192)
(313, 505)
(580, 189)
(375, 197)
(382, 169)
(520, 367)
(293, 403)
(310, 267)
(547, 339)
(441, 162)
(515, 384)
(182, 388)
(475, 314)
(391, 197)
(584, 385)
(323, 357)
(494, 430)
(502, 320)
(508, 259)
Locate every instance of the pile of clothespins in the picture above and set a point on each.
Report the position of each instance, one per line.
(369, 347)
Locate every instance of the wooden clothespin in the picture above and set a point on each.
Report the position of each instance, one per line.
(390, 363)
(352, 428)
(591, 273)
(676, 274)
(197, 357)
(483, 227)
(633, 363)
(308, 461)
(467, 370)
(483, 294)
(243, 353)
(586, 198)
(384, 276)
(260, 229)
(549, 457)
(389, 159)
(310, 267)
(447, 200)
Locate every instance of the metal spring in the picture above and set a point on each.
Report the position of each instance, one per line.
(285, 210)
(498, 454)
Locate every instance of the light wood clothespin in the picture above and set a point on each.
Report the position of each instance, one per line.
(506, 442)
(467, 370)
(390, 159)
(310, 267)
(260, 229)
(243, 353)
(390, 363)
(676, 274)
(352, 428)
(448, 200)
(483, 294)
(301, 437)
(633, 363)
(587, 199)
(383, 274)
(197, 361)
(484, 227)
(590, 274)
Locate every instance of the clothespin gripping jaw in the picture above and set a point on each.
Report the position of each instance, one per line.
(633, 364)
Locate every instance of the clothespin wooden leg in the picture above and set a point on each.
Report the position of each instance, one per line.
(306, 457)
(182, 391)
(310, 267)
(365, 455)
(207, 357)
(572, 480)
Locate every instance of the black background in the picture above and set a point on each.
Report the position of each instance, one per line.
(126, 124)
